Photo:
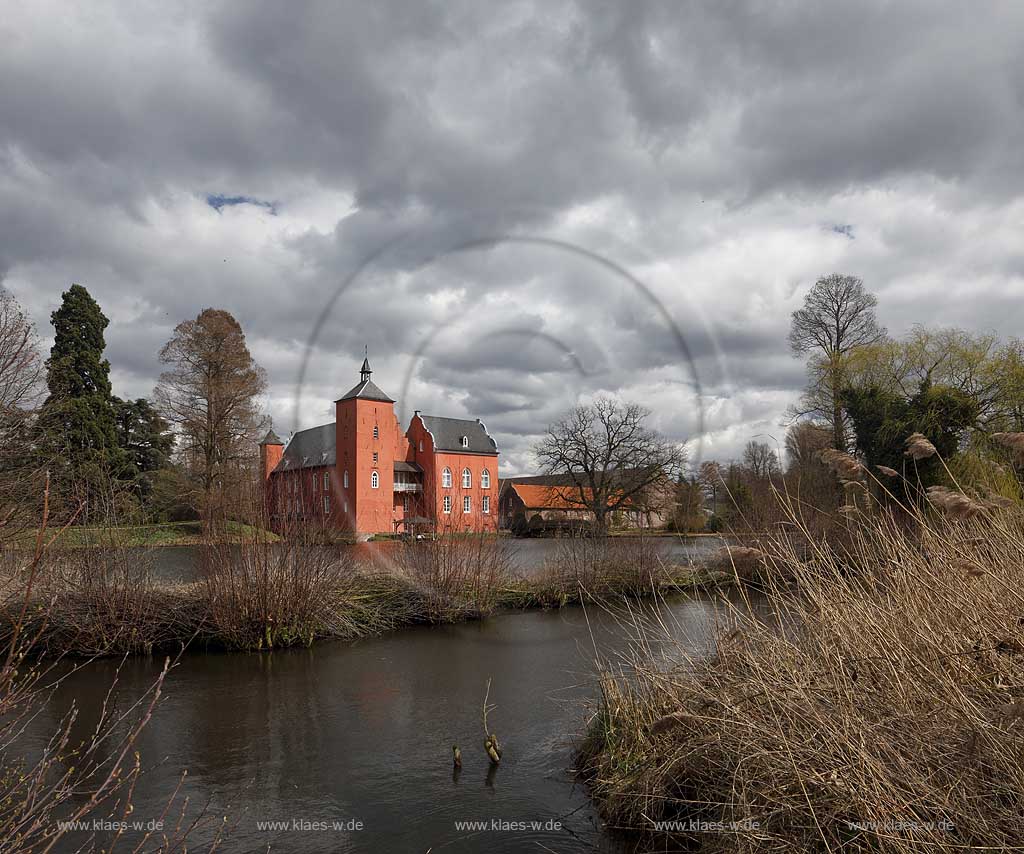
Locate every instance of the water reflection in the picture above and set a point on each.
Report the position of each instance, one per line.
(364, 731)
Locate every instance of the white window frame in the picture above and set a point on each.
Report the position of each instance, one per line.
(327, 481)
(465, 441)
(344, 479)
(327, 504)
(467, 479)
(376, 457)
(446, 504)
(405, 503)
(467, 504)
(374, 480)
(376, 432)
(316, 485)
(485, 505)
(485, 479)
(421, 446)
(446, 478)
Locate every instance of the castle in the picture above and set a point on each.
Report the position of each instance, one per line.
(363, 475)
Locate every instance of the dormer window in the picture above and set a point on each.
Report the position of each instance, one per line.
(465, 441)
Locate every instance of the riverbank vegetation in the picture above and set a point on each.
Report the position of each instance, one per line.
(880, 708)
(263, 592)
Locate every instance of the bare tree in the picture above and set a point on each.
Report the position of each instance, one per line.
(838, 315)
(804, 442)
(210, 395)
(610, 460)
(710, 477)
(760, 460)
(21, 366)
(21, 387)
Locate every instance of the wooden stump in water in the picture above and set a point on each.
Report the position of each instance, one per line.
(492, 751)
(456, 756)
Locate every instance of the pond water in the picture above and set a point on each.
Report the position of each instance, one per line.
(363, 732)
(180, 563)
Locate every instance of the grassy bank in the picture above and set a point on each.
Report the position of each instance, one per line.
(139, 536)
(881, 709)
(259, 595)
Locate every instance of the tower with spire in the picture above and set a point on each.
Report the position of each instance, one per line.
(368, 439)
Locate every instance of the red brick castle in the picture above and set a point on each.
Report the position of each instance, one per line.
(362, 474)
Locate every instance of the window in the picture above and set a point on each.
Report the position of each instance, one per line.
(467, 479)
(446, 478)
(375, 456)
(421, 446)
(315, 481)
(405, 503)
(327, 504)
(376, 432)
(327, 481)
(446, 504)
(374, 481)
(346, 506)
(485, 480)
(467, 504)
(465, 441)
(344, 479)
(485, 504)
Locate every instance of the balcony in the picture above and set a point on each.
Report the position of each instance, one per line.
(408, 487)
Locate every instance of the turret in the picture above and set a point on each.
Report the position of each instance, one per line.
(271, 451)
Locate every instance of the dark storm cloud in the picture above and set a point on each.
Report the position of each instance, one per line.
(725, 154)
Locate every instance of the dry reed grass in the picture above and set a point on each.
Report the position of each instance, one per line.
(43, 790)
(880, 709)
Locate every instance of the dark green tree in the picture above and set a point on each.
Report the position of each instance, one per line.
(145, 440)
(883, 419)
(78, 415)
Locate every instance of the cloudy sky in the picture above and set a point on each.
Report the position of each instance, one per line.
(514, 205)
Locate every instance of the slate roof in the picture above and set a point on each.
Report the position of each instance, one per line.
(309, 448)
(366, 390)
(448, 433)
(412, 468)
(271, 439)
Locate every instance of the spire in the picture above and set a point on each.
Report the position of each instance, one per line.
(364, 371)
(271, 438)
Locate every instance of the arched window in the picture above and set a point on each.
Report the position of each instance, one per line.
(376, 432)
(467, 479)
(344, 479)
(446, 477)
(374, 481)
(465, 441)
(485, 479)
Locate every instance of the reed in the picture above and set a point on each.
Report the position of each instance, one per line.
(879, 708)
(67, 779)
